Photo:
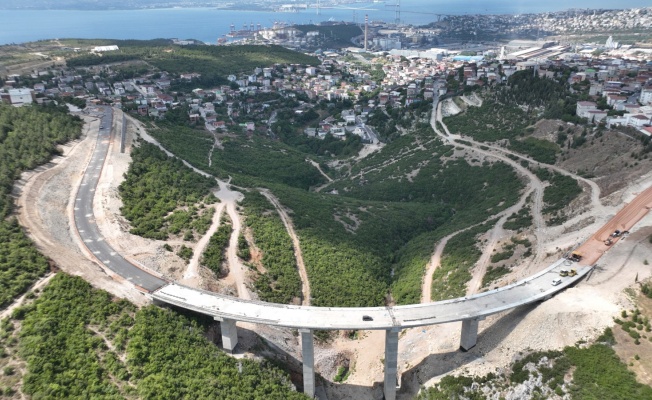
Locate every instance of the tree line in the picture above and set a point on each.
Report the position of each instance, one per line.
(80, 342)
(29, 136)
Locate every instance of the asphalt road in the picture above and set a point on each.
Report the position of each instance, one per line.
(85, 219)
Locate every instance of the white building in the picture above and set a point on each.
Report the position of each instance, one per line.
(20, 97)
(646, 96)
(101, 49)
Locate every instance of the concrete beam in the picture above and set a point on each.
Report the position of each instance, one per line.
(229, 333)
(391, 362)
(308, 353)
(469, 335)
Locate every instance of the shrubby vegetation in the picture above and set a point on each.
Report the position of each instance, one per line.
(459, 256)
(561, 191)
(281, 282)
(20, 263)
(215, 251)
(79, 342)
(635, 324)
(28, 137)
(538, 149)
(490, 122)
(353, 241)
(509, 109)
(259, 160)
(251, 162)
(596, 373)
(519, 220)
(159, 195)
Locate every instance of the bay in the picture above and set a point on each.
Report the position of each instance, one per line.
(209, 24)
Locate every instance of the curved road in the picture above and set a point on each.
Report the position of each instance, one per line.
(85, 224)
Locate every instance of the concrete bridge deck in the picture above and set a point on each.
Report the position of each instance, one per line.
(534, 288)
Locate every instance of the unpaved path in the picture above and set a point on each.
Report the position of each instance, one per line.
(435, 262)
(541, 234)
(305, 283)
(19, 301)
(534, 184)
(236, 268)
(316, 165)
(191, 276)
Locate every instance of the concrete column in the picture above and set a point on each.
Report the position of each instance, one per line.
(469, 335)
(391, 362)
(229, 333)
(308, 353)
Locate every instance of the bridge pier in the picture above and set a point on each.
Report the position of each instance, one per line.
(469, 335)
(229, 333)
(391, 362)
(308, 354)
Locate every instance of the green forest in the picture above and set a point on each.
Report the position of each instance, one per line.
(163, 197)
(28, 137)
(79, 342)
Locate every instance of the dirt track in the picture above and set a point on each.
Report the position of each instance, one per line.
(623, 221)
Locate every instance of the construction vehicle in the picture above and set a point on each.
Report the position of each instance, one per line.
(575, 256)
(608, 242)
(572, 272)
(563, 272)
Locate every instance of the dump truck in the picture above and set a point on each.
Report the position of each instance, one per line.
(575, 256)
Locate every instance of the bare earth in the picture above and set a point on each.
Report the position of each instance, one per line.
(425, 354)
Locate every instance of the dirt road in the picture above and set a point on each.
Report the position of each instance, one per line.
(623, 221)
(305, 283)
(191, 276)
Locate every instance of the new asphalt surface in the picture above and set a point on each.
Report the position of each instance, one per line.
(85, 219)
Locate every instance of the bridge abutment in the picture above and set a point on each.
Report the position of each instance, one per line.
(391, 362)
(308, 355)
(229, 333)
(469, 336)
